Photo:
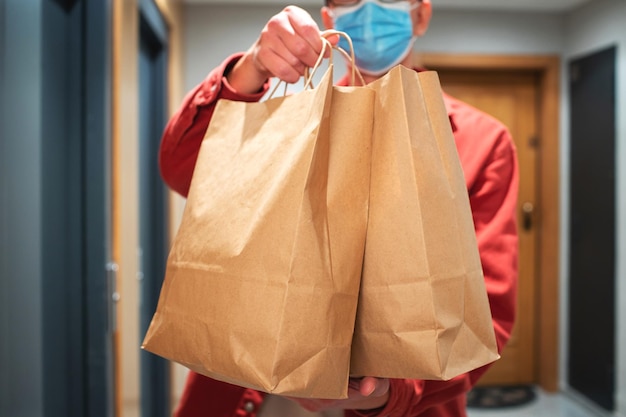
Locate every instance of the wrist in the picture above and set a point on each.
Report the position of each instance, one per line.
(244, 77)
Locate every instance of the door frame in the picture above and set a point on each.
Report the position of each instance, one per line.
(99, 292)
(76, 208)
(547, 69)
(153, 231)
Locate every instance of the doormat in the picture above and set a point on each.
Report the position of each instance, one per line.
(500, 396)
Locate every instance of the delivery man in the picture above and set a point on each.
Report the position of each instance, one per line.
(384, 33)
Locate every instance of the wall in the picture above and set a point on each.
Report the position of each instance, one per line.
(211, 35)
(462, 31)
(596, 26)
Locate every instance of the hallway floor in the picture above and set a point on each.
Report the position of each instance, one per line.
(545, 405)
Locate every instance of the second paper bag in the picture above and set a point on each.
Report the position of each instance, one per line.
(423, 308)
(262, 280)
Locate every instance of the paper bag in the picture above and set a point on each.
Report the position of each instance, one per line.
(262, 280)
(423, 310)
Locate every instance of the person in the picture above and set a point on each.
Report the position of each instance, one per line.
(383, 33)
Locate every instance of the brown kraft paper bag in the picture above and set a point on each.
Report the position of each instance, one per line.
(262, 280)
(423, 310)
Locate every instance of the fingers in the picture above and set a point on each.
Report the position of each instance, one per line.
(373, 387)
(308, 36)
(289, 43)
(363, 393)
(333, 39)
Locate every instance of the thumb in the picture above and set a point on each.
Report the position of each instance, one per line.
(331, 36)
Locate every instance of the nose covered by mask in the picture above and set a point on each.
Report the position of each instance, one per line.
(382, 34)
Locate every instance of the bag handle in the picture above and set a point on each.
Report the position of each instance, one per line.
(349, 56)
(310, 72)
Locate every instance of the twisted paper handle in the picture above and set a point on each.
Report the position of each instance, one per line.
(349, 56)
(310, 73)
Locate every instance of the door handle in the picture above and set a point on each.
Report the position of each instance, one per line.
(111, 271)
(527, 215)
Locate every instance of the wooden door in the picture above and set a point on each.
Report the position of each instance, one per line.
(512, 97)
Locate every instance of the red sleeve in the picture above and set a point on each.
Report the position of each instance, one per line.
(185, 130)
(492, 168)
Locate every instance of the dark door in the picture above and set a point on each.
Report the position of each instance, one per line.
(56, 350)
(155, 392)
(591, 343)
(76, 208)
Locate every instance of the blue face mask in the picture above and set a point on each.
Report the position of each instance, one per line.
(382, 34)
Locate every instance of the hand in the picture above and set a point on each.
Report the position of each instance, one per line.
(289, 43)
(363, 394)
